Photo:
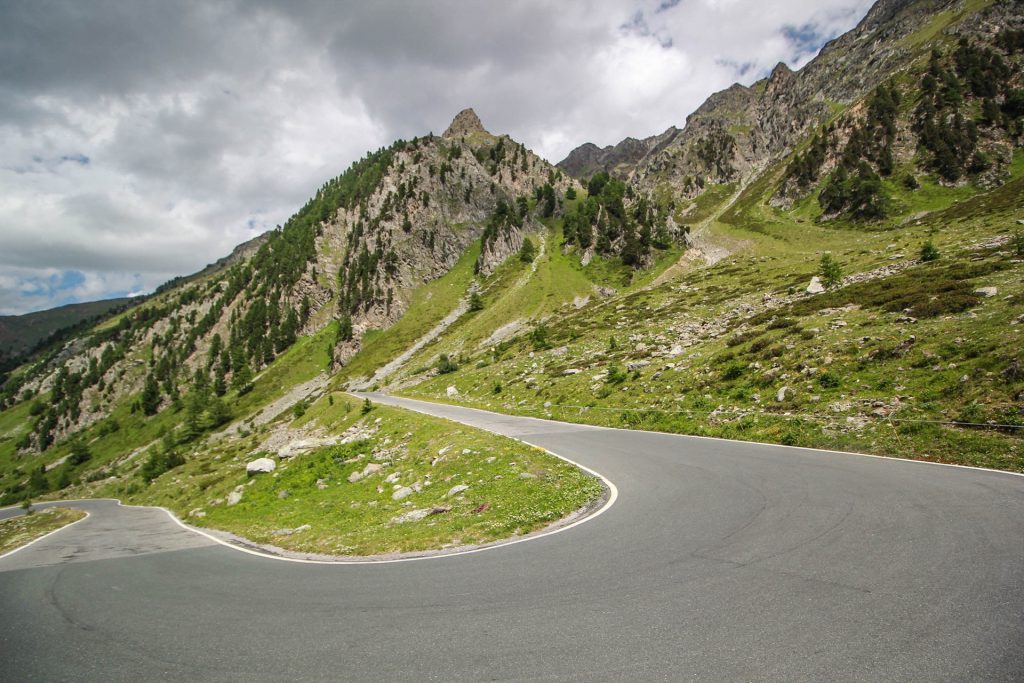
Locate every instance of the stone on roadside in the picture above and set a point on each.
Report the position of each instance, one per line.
(451, 391)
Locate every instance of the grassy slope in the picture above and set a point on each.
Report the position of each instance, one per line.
(358, 518)
(18, 531)
(880, 382)
(428, 306)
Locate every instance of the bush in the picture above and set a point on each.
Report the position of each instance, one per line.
(445, 365)
(828, 380)
(79, 453)
(733, 371)
(476, 303)
(929, 252)
(616, 375)
(830, 271)
(367, 406)
(160, 461)
(527, 252)
(1018, 243)
(539, 337)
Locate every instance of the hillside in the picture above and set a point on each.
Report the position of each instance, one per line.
(830, 257)
(20, 333)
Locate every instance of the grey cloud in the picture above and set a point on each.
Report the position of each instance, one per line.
(204, 122)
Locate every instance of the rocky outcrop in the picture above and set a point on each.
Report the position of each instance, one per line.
(465, 122)
(617, 160)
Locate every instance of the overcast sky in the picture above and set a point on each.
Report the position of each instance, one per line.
(142, 140)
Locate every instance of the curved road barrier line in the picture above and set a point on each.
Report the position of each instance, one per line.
(613, 495)
(51, 533)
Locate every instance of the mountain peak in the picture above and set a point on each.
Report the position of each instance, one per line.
(466, 121)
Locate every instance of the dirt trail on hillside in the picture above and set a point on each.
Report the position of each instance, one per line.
(400, 360)
(274, 408)
(702, 248)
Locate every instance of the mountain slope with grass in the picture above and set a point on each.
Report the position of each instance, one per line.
(830, 257)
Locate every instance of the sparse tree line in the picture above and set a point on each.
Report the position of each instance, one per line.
(961, 99)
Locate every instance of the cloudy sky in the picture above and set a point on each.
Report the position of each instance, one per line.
(140, 139)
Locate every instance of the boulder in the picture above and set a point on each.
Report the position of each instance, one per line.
(456, 490)
(781, 396)
(235, 497)
(411, 516)
(451, 392)
(260, 466)
(815, 286)
(986, 291)
(403, 492)
(371, 468)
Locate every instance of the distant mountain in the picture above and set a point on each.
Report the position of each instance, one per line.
(20, 333)
(617, 160)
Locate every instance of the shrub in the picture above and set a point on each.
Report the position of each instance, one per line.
(445, 365)
(828, 380)
(830, 271)
(527, 252)
(733, 371)
(476, 303)
(616, 375)
(929, 252)
(367, 406)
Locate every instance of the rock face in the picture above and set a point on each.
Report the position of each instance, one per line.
(260, 466)
(617, 160)
(465, 122)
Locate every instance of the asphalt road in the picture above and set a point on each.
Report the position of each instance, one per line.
(719, 561)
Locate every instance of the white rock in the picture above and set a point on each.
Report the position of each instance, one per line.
(815, 286)
(410, 516)
(403, 492)
(292, 449)
(781, 396)
(455, 490)
(371, 468)
(235, 497)
(527, 475)
(986, 291)
(572, 371)
(392, 478)
(451, 391)
(260, 466)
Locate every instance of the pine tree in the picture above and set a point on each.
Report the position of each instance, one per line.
(150, 396)
(830, 271)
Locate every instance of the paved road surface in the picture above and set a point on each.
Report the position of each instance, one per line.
(720, 561)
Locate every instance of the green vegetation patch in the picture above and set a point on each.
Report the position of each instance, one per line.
(18, 531)
(404, 482)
